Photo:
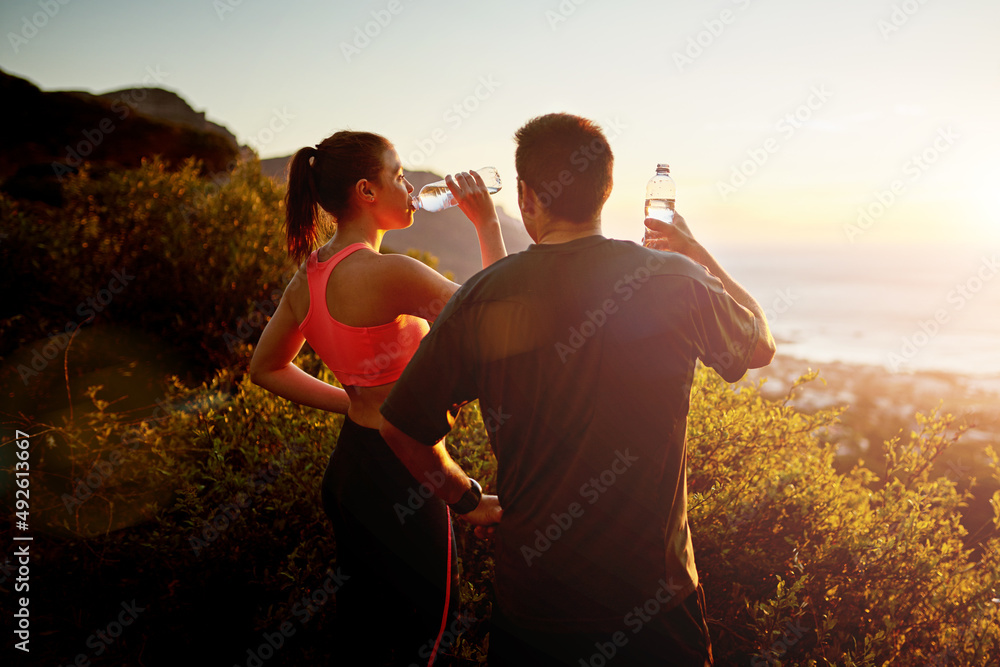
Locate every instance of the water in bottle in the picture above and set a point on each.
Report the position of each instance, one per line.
(660, 195)
(436, 196)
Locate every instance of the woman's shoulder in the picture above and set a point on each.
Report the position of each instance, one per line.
(400, 266)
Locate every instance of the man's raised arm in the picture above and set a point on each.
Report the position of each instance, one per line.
(676, 237)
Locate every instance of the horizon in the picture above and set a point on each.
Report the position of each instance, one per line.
(865, 123)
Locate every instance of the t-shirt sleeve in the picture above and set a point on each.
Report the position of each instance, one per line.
(724, 332)
(435, 384)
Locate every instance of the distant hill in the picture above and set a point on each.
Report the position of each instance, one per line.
(448, 235)
(57, 131)
(49, 134)
(167, 106)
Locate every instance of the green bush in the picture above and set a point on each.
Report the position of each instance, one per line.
(802, 565)
(208, 512)
(198, 257)
(212, 520)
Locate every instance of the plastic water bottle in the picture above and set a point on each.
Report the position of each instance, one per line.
(436, 196)
(660, 195)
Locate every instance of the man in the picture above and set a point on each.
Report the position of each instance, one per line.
(583, 350)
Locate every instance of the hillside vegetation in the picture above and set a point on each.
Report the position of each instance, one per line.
(164, 482)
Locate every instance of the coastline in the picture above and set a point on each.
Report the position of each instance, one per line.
(880, 404)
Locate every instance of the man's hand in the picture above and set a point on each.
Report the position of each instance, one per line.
(486, 515)
(675, 236)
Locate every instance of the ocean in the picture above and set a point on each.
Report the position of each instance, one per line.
(903, 307)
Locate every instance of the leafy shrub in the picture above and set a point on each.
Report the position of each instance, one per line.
(195, 257)
(802, 565)
(212, 521)
(207, 512)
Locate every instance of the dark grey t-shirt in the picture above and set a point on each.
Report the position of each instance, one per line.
(581, 355)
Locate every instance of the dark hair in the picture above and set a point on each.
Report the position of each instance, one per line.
(324, 177)
(567, 161)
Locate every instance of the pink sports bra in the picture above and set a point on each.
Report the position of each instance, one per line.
(358, 356)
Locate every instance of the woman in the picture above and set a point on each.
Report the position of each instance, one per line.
(364, 314)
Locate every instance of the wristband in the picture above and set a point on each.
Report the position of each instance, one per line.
(469, 500)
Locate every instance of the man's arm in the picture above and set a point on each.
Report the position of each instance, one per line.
(676, 237)
(429, 463)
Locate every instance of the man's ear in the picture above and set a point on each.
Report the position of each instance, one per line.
(527, 200)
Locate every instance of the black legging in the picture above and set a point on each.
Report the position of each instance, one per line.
(392, 545)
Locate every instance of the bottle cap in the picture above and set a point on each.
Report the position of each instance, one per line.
(662, 166)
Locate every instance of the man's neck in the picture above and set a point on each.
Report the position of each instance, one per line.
(563, 231)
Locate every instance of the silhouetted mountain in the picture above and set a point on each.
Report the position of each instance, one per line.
(447, 235)
(49, 134)
(168, 106)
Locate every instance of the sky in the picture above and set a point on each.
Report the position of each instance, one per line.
(857, 122)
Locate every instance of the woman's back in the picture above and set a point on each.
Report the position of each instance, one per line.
(339, 302)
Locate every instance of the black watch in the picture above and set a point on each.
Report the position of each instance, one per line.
(469, 500)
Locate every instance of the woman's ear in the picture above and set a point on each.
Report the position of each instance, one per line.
(365, 191)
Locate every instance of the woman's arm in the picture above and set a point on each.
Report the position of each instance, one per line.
(409, 286)
(271, 366)
(475, 201)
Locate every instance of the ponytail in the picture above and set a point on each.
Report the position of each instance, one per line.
(301, 205)
(323, 177)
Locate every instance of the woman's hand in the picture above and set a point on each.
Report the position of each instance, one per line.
(473, 197)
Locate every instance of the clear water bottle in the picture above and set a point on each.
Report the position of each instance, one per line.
(436, 196)
(660, 195)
